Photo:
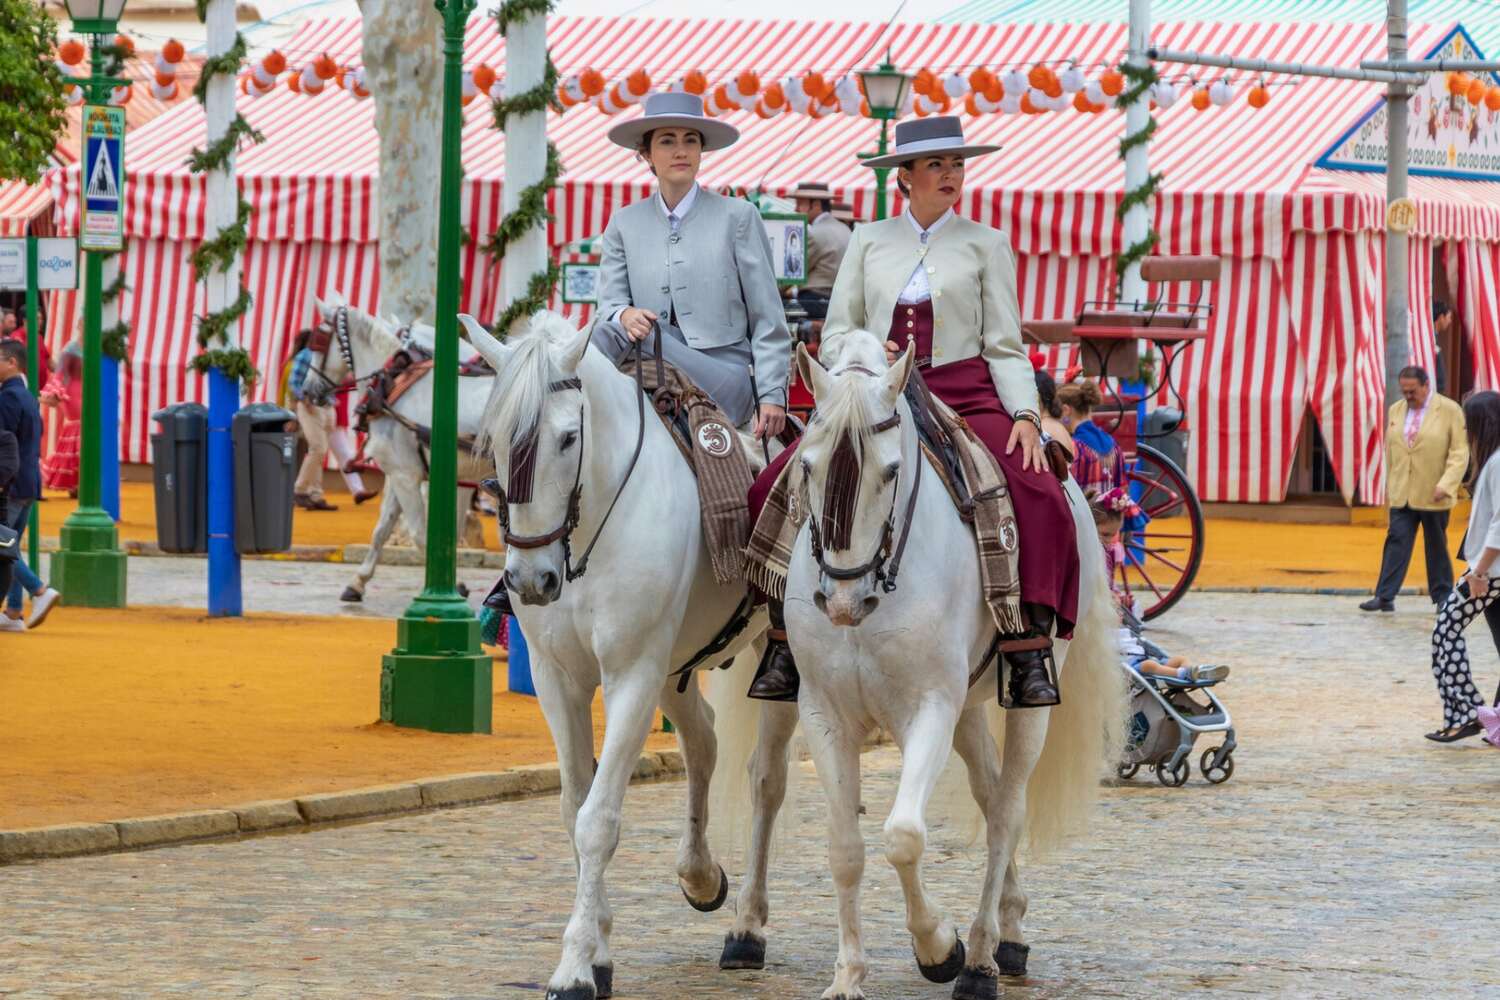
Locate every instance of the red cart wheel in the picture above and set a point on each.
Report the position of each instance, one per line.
(1161, 558)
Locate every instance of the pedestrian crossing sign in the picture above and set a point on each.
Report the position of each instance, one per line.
(102, 220)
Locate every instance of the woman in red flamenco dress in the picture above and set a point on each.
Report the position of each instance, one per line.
(60, 469)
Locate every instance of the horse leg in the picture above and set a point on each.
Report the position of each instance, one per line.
(1025, 733)
(836, 756)
(924, 748)
(972, 740)
(413, 503)
(745, 944)
(568, 708)
(629, 703)
(703, 882)
(390, 510)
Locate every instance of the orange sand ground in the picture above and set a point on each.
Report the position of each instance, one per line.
(112, 714)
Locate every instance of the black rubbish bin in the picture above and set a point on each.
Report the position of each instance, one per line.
(1164, 432)
(179, 471)
(265, 470)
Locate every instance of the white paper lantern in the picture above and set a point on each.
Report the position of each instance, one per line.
(1094, 91)
(954, 85)
(1011, 103)
(1221, 92)
(1164, 93)
(985, 105)
(1039, 98)
(166, 93)
(75, 96)
(796, 97)
(1072, 80)
(261, 77)
(1014, 82)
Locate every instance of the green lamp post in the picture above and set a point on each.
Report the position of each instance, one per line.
(89, 568)
(438, 676)
(885, 90)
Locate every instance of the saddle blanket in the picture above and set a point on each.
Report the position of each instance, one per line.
(717, 456)
(988, 512)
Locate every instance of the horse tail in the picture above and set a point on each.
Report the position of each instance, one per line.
(1086, 733)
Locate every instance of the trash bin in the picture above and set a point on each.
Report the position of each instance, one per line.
(265, 470)
(179, 472)
(1165, 432)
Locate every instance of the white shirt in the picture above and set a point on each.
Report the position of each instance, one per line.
(1414, 422)
(676, 215)
(917, 288)
(1484, 516)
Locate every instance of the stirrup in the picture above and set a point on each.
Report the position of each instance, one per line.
(1007, 673)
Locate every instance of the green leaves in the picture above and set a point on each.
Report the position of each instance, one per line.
(1141, 78)
(31, 98)
(201, 161)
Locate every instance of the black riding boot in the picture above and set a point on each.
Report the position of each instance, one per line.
(499, 597)
(776, 678)
(1032, 679)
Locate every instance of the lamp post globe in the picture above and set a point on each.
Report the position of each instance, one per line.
(885, 89)
(95, 17)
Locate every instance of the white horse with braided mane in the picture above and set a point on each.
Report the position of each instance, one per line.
(615, 589)
(359, 345)
(903, 660)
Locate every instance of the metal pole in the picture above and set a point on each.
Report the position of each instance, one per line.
(882, 175)
(1138, 160)
(1290, 68)
(1397, 320)
(34, 380)
(109, 406)
(89, 567)
(1434, 65)
(438, 677)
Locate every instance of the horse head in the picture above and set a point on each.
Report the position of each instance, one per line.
(534, 426)
(851, 461)
(347, 340)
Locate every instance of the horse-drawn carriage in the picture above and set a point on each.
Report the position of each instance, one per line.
(1163, 544)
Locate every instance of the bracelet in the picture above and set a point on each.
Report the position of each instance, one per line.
(1030, 417)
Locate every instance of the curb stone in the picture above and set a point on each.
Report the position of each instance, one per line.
(175, 828)
(64, 840)
(381, 800)
(274, 814)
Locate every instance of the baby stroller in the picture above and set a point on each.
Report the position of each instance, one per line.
(1166, 717)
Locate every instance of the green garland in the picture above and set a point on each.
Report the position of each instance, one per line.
(531, 207)
(1140, 78)
(115, 342)
(220, 253)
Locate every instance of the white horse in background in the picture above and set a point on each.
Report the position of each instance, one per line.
(370, 341)
(647, 604)
(903, 660)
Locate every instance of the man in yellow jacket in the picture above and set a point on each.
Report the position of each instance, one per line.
(1427, 451)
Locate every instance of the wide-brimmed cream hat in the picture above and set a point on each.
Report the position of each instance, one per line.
(674, 110)
(942, 135)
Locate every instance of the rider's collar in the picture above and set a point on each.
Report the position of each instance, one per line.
(927, 234)
(683, 207)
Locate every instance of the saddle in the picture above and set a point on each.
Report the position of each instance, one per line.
(402, 371)
(712, 448)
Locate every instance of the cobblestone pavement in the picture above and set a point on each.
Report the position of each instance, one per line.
(1347, 857)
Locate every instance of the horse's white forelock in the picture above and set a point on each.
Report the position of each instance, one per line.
(850, 407)
(515, 404)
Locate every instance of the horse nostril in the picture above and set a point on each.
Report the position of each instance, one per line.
(549, 583)
(820, 600)
(870, 603)
(510, 581)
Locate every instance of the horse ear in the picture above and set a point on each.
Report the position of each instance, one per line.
(812, 372)
(496, 353)
(894, 380)
(577, 346)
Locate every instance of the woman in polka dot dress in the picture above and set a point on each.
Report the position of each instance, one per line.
(1478, 588)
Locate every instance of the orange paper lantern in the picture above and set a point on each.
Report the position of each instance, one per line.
(1053, 88)
(294, 83)
(173, 52)
(484, 77)
(981, 80)
(1112, 82)
(123, 43)
(325, 67)
(274, 63)
(591, 82)
(749, 83)
(814, 86)
(165, 79)
(1081, 102)
(71, 52)
(774, 97)
(924, 82)
(1201, 100)
(1259, 97)
(1026, 106)
(1492, 98)
(1037, 77)
(1457, 83)
(1476, 91)
(638, 83)
(695, 83)
(970, 106)
(994, 93)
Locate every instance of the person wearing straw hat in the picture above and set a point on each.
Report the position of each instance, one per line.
(947, 286)
(698, 265)
(827, 242)
(844, 212)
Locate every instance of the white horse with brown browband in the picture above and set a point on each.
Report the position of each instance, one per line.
(646, 604)
(902, 661)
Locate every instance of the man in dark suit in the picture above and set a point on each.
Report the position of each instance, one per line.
(20, 415)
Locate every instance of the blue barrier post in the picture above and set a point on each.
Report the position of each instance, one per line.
(223, 558)
(109, 436)
(519, 678)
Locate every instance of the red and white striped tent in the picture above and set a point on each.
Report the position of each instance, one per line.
(1298, 316)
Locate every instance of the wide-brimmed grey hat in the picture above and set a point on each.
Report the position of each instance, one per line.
(674, 110)
(942, 135)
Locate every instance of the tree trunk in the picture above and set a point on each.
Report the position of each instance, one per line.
(404, 66)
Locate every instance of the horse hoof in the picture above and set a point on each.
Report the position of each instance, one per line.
(1011, 957)
(604, 981)
(717, 901)
(463, 589)
(973, 984)
(741, 951)
(948, 969)
(578, 991)
(351, 596)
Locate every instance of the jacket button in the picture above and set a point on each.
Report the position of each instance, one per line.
(909, 312)
(910, 323)
(932, 270)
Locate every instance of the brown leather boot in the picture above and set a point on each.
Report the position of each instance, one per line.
(776, 678)
(1032, 683)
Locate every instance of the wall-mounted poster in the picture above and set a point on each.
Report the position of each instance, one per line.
(788, 235)
(580, 282)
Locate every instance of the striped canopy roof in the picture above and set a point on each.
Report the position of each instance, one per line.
(1237, 179)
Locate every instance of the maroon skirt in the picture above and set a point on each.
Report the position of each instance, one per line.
(1048, 539)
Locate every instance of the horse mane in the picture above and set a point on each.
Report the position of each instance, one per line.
(845, 418)
(514, 408)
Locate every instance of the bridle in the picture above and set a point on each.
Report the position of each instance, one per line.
(522, 475)
(324, 336)
(884, 553)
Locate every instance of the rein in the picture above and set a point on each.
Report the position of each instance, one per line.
(884, 553)
(522, 468)
(320, 341)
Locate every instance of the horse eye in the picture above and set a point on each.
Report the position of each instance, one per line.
(891, 470)
(568, 440)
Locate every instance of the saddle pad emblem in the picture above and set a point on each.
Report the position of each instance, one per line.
(715, 439)
(1008, 535)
